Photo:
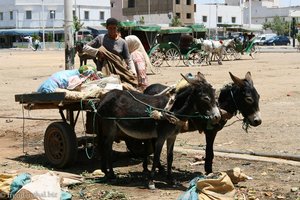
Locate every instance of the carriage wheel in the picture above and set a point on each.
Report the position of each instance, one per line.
(156, 59)
(230, 54)
(237, 55)
(192, 59)
(60, 144)
(173, 57)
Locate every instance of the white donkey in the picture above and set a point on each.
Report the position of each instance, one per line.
(212, 47)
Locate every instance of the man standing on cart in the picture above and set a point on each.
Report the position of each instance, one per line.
(112, 53)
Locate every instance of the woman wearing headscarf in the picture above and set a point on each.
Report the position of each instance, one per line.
(140, 59)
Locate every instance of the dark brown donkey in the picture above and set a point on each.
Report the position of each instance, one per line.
(126, 112)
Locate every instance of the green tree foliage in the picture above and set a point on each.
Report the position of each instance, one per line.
(277, 26)
(142, 20)
(76, 23)
(298, 37)
(176, 21)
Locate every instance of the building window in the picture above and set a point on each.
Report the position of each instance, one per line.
(188, 2)
(1, 16)
(188, 15)
(52, 14)
(233, 20)
(112, 4)
(86, 15)
(74, 13)
(102, 15)
(28, 14)
(177, 1)
(131, 3)
(219, 19)
(11, 15)
(204, 18)
(195, 7)
(178, 15)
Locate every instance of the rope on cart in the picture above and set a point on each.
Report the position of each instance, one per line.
(88, 155)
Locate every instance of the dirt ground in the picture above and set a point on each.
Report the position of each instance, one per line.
(275, 76)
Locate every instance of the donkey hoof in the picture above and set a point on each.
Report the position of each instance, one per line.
(151, 185)
(175, 183)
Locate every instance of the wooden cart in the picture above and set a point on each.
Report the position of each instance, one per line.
(60, 140)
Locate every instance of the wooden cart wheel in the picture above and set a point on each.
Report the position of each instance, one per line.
(172, 57)
(230, 54)
(156, 59)
(60, 144)
(192, 59)
(237, 55)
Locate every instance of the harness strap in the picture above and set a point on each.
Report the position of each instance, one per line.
(234, 102)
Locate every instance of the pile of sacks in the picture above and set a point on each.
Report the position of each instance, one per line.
(215, 186)
(42, 187)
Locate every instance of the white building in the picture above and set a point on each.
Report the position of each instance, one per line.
(261, 11)
(31, 14)
(27, 17)
(217, 15)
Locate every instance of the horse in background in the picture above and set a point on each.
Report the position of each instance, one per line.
(83, 57)
(212, 47)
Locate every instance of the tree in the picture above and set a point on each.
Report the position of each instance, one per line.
(76, 23)
(277, 26)
(176, 21)
(142, 20)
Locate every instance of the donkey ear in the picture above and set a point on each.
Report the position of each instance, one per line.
(189, 80)
(237, 80)
(201, 77)
(249, 78)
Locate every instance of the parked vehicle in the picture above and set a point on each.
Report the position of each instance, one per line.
(262, 38)
(278, 40)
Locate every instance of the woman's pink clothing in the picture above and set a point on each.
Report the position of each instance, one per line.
(140, 66)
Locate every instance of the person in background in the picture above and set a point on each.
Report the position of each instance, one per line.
(246, 40)
(36, 44)
(140, 59)
(112, 53)
(29, 38)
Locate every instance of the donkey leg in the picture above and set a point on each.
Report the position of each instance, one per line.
(209, 151)
(147, 145)
(157, 152)
(109, 130)
(170, 148)
(81, 61)
(160, 167)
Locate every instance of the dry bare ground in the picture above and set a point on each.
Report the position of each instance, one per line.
(275, 75)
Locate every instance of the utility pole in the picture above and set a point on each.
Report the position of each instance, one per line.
(149, 11)
(250, 2)
(69, 39)
(217, 21)
(43, 24)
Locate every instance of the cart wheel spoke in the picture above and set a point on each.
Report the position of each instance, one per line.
(172, 57)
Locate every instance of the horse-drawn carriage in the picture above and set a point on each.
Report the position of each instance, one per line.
(177, 43)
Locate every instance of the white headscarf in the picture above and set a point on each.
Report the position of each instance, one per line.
(134, 44)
